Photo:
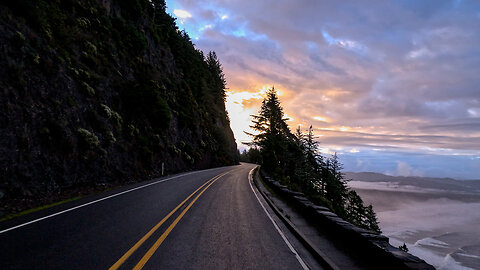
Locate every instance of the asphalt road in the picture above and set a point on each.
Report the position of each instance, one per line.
(221, 226)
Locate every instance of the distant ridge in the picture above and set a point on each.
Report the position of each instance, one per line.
(423, 182)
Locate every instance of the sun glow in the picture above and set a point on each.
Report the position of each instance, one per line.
(320, 118)
(288, 117)
(240, 106)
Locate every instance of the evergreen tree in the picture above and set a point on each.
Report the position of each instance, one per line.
(215, 69)
(309, 162)
(335, 187)
(357, 214)
(243, 156)
(294, 159)
(354, 210)
(274, 135)
(314, 162)
(158, 7)
(371, 219)
(252, 155)
(300, 168)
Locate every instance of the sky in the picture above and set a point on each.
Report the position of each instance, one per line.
(390, 86)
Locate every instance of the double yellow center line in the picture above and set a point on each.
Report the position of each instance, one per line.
(160, 240)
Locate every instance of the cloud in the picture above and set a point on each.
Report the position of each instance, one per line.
(464, 127)
(403, 169)
(340, 135)
(182, 14)
(320, 118)
(343, 43)
(396, 75)
(417, 53)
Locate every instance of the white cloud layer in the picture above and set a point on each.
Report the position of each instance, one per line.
(182, 14)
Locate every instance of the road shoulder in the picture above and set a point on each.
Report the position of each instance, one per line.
(317, 244)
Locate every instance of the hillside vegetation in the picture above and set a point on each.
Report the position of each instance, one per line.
(96, 92)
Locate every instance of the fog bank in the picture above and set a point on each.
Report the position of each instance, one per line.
(437, 219)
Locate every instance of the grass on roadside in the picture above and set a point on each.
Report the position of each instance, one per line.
(32, 210)
(42, 207)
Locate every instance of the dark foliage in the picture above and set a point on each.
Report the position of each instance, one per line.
(103, 91)
(403, 247)
(295, 160)
(253, 155)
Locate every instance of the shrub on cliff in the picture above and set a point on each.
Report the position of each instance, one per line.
(87, 139)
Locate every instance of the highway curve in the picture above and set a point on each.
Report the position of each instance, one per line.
(208, 219)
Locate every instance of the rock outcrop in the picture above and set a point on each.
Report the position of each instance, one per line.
(99, 92)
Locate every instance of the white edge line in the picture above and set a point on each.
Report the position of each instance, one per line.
(299, 259)
(99, 200)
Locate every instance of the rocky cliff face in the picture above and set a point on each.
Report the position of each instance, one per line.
(102, 91)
